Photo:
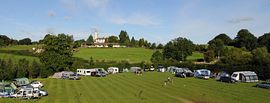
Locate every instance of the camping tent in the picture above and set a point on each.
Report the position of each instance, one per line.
(63, 74)
(21, 81)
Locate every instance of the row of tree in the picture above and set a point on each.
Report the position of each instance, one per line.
(124, 39)
(6, 41)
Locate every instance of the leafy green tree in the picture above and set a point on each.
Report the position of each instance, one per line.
(217, 46)
(141, 42)
(36, 69)
(23, 65)
(245, 39)
(157, 58)
(78, 43)
(25, 41)
(112, 39)
(160, 46)
(57, 54)
(178, 49)
(4, 40)
(90, 40)
(224, 38)
(264, 40)
(209, 55)
(124, 38)
(153, 46)
(237, 56)
(133, 42)
(261, 56)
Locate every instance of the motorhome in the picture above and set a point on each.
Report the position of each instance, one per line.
(245, 76)
(26, 92)
(202, 73)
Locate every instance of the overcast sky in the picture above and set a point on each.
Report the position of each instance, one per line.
(155, 20)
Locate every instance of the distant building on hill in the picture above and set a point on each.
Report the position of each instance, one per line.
(101, 42)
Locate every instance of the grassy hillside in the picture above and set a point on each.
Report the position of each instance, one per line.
(16, 57)
(131, 88)
(195, 56)
(131, 54)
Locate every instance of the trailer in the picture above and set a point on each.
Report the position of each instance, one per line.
(87, 72)
(113, 70)
(245, 76)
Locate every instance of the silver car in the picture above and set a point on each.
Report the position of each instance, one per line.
(264, 85)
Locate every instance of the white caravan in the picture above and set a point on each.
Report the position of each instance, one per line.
(113, 70)
(245, 76)
(86, 72)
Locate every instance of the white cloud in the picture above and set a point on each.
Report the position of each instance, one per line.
(241, 19)
(135, 19)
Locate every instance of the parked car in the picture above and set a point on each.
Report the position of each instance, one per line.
(202, 73)
(152, 68)
(188, 72)
(41, 91)
(36, 84)
(161, 69)
(74, 77)
(180, 74)
(264, 85)
(101, 74)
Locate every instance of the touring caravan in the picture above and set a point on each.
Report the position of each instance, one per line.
(113, 70)
(86, 72)
(245, 76)
(202, 73)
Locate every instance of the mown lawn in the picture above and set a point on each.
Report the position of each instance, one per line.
(130, 88)
(133, 55)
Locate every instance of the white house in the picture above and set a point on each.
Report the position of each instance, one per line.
(113, 70)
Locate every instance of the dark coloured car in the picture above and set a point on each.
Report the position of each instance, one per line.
(180, 74)
(264, 85)
(101, 74)
(224, 77)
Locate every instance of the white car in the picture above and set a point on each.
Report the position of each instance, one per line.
(36, 84)
(41, 92)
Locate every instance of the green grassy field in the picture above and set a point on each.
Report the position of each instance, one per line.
(134, 55)
(19, 47)
(195, 56)
(131, 88)
(17, 57)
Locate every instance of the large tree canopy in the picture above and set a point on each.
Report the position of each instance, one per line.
(124, 38)
(245, 39)
(265, 41)
(90, 40)
(58, 52)
(112, 39)
(178, 49)
(224, 38)
(25, 41)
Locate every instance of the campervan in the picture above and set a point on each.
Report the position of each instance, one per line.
(245, 76)
(26, 92)
(202, 73)
(113, 70)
